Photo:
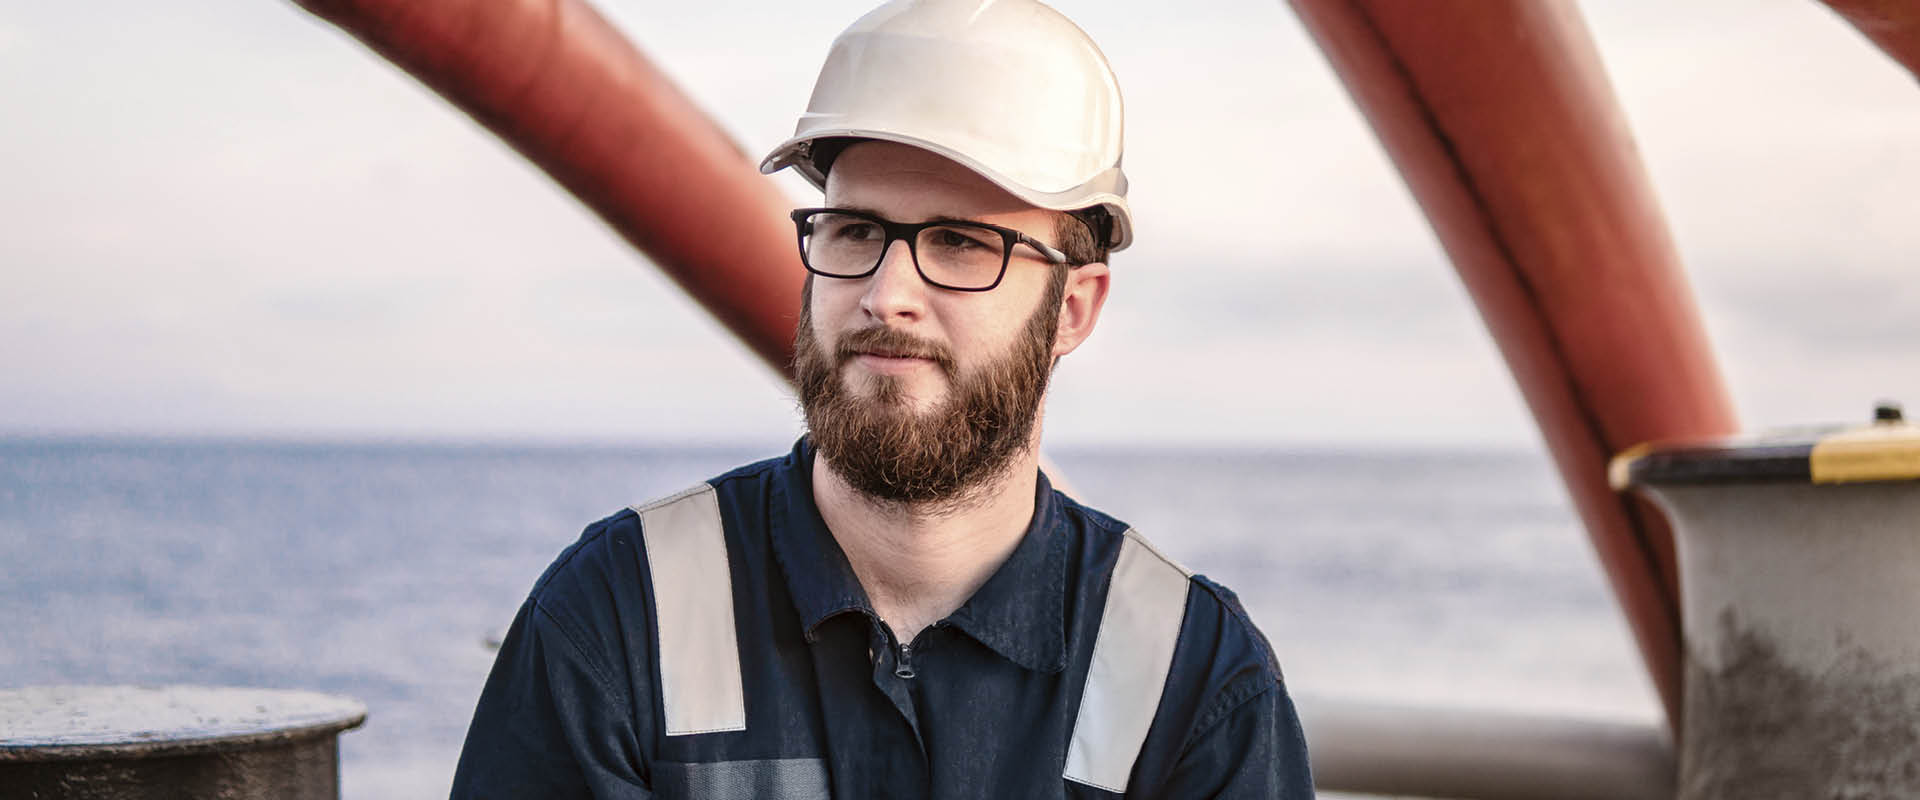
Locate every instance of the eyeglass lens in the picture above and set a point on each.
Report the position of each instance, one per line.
(957, 255)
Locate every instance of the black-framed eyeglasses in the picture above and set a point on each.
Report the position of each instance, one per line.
(960, 255)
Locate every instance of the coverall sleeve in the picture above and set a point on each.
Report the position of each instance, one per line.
(551, 723)
(1249, 747)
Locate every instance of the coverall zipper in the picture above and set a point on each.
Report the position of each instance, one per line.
(903, 662)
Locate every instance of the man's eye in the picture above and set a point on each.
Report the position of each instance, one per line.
(956, 240)
(855, 231)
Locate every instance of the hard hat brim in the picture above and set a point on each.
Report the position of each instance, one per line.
(1106, 190)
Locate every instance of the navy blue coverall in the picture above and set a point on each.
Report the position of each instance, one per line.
(980, 705)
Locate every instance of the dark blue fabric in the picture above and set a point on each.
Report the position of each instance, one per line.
(570, 709)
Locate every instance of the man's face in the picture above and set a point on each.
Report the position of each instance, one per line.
(915, 393)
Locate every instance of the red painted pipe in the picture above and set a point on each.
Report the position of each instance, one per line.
(1502, 122)
(557, 82)
(1894, 25)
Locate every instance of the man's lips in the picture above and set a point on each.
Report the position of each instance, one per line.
(891, 352)
(891, 362)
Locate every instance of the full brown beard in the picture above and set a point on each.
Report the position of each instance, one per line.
(939, 458)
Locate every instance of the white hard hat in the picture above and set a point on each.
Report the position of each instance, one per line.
(1010, 88)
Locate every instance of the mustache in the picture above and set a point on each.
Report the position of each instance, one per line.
(891, 342)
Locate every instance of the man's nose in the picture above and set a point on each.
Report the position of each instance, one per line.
(895, 289)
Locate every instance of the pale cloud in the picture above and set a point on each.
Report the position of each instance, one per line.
(1778, 137)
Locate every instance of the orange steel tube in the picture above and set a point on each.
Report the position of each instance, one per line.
(1500, 119)
(565, 88)
(1894, 25)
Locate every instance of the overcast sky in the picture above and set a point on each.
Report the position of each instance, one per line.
(226, 217)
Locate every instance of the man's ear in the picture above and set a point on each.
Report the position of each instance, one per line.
(1080, 304)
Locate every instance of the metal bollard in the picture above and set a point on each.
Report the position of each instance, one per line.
(1800, 575)
(138, 743)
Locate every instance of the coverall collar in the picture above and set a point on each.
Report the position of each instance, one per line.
(1019, 612)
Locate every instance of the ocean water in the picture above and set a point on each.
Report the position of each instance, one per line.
(1433, 578)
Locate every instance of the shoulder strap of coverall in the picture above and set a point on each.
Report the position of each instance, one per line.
(1132, 655)
(700, 688)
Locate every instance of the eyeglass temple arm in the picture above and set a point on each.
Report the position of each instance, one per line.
(1051, 254)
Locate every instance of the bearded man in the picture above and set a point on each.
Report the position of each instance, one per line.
(902, 606)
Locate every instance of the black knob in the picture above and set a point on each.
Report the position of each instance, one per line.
(1887, 411)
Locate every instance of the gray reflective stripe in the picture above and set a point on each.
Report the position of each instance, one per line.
(693, 613)
(1132, 653)
(771, 779)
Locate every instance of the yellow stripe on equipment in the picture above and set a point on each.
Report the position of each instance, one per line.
(1877, 453)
